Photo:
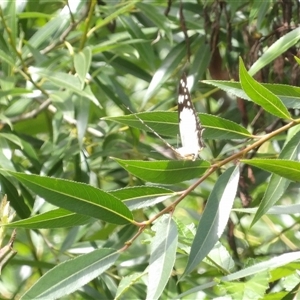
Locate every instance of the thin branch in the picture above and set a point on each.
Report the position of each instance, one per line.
(30, 115)
(87, 23)
(24, 70)
(166, 13)
(184, 30)
(47, 105)
(210, 171)
(216, 166)
(64, 35)
(72, 121)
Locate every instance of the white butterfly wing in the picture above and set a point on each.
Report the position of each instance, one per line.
(189, 125)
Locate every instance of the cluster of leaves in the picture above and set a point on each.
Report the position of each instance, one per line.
(101, 213)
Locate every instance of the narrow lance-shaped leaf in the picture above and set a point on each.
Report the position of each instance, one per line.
(82, 62)
(170, 63)
(165, 172)
(162, 22)
(126, 283)
(253, 288)
(7, 252)
(142, 196)
(277, 184)
(69, 82)
(166, 124)
(214, 218)
(220, 257)
(288, 94)
(273, 263)
(7, 58)
(56, 218)
(162, 258)
(144, 49)
(282, 167)
(78, 197)
(219, 128)
(201, 61)
(71, 275)
(274, 210)
(280, 46)
(262, 96)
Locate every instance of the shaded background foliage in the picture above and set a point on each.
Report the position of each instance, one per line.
(66, 66)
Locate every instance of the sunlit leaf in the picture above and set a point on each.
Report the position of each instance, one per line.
(162, 257)
(214, 218)
(262, 96)
(56, 218)
(282, 167)
(77, 197)
(277, 184)
(71, 275)
(166, 172)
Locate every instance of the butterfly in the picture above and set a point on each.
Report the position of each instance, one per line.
(190, 127)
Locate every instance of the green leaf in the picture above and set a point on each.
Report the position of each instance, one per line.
(126, 66)
(214, 218)
(285, 271)
(288, 94)
(117, 44)
(82, 62)
(166, 124)
(18, 202)
(144, 49)
(121, 9)
(297, 60)
(258, 12)
(77, 197)
(280, 46)
(71, 275)
(56, 218)
(82, 115)
(262, 96)
(11, 137)
(162, 257)
(277, 184)
(219, 128)
(18, 107)
(200, 62)
(46, 33)
(15, 92)
(69, 82)
(12, 22)
(142, 196)
(270, 264)
(161, 21)
(254, 288)
(275, 210)
(170, 63)
(164, 172)
(282, 167)
(7, 58)
(220, 257)
(126, 283)
(34, 15)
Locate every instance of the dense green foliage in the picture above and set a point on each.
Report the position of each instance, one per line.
(102, 211)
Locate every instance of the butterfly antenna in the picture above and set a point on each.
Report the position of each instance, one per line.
(152, 130)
